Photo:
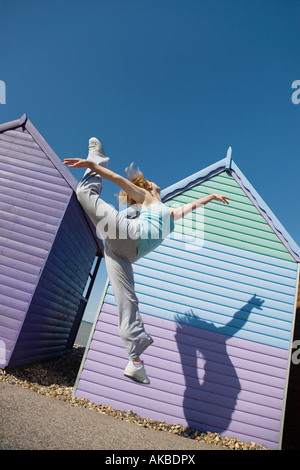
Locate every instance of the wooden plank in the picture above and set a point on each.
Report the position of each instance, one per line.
(39, 207)
(58, 295)
(260, 238)
(31, 149)
(32, 172)
(171, 371)
(34, 188)
(34, 180)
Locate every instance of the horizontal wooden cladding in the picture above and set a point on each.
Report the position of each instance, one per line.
(205, 273)
(210, 343)
(15, 266)
(17, 139)
(20, 141)
(213, 276)
(35, 179)
(215, 405)
(198, 317)
(33, 200)
(57, 297)
(42, 353)
(70, 258)
(213, 292)
(19, 134)
(36, 187)
(189, 248)
(20, 148)
(25, 254)
(17, 289)
(23, 204)
(32, 172)
(27, 161)
(38, 227)
(12, 313)
(18, 245)
(171, 340)
(37, 201)
(27, 236)
(25, 157)
(238, 225)
(221, 384)
(13, 208)
(225, 263)
(32, 187)
(216, 288)
(25, 284)
(21, 262)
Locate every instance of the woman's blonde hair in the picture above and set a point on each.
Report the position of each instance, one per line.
(136, 177)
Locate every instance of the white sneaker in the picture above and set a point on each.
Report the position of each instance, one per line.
(95, 145)
(96, 154)
(136, 373)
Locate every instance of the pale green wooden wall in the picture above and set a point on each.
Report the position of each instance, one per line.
(239, 224)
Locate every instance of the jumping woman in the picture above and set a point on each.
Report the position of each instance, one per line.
(127, 240)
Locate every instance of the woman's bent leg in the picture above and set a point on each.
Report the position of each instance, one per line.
(131, 327)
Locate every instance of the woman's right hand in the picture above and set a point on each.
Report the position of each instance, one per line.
(220, 198)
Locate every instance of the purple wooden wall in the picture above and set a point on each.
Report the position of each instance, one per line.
(56, 302)
(205, 379)
(33, 200)
(36, 204)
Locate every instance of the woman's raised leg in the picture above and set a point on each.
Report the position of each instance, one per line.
(121, 241)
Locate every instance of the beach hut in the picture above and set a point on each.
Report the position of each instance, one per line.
(219, 299)
(49, 253)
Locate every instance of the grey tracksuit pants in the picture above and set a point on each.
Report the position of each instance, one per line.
(121, 241)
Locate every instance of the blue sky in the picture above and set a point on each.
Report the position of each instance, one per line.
(168, 84)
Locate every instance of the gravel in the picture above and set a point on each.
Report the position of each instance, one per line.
(55, 378)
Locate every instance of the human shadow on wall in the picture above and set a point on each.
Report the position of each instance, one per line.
(210, 401)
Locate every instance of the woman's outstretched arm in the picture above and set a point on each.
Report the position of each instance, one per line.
(136, 193)
(179, 212)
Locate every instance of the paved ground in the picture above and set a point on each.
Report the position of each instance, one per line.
(32, 421)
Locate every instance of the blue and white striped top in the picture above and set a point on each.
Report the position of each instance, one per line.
(156, 224)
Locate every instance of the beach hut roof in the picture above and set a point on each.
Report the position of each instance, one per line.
(25, 123)
(227, 164)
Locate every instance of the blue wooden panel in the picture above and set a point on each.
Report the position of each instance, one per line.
(218, 285)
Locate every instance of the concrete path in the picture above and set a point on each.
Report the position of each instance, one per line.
(32, 421)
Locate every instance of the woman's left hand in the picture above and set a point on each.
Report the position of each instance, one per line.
(77, 162)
